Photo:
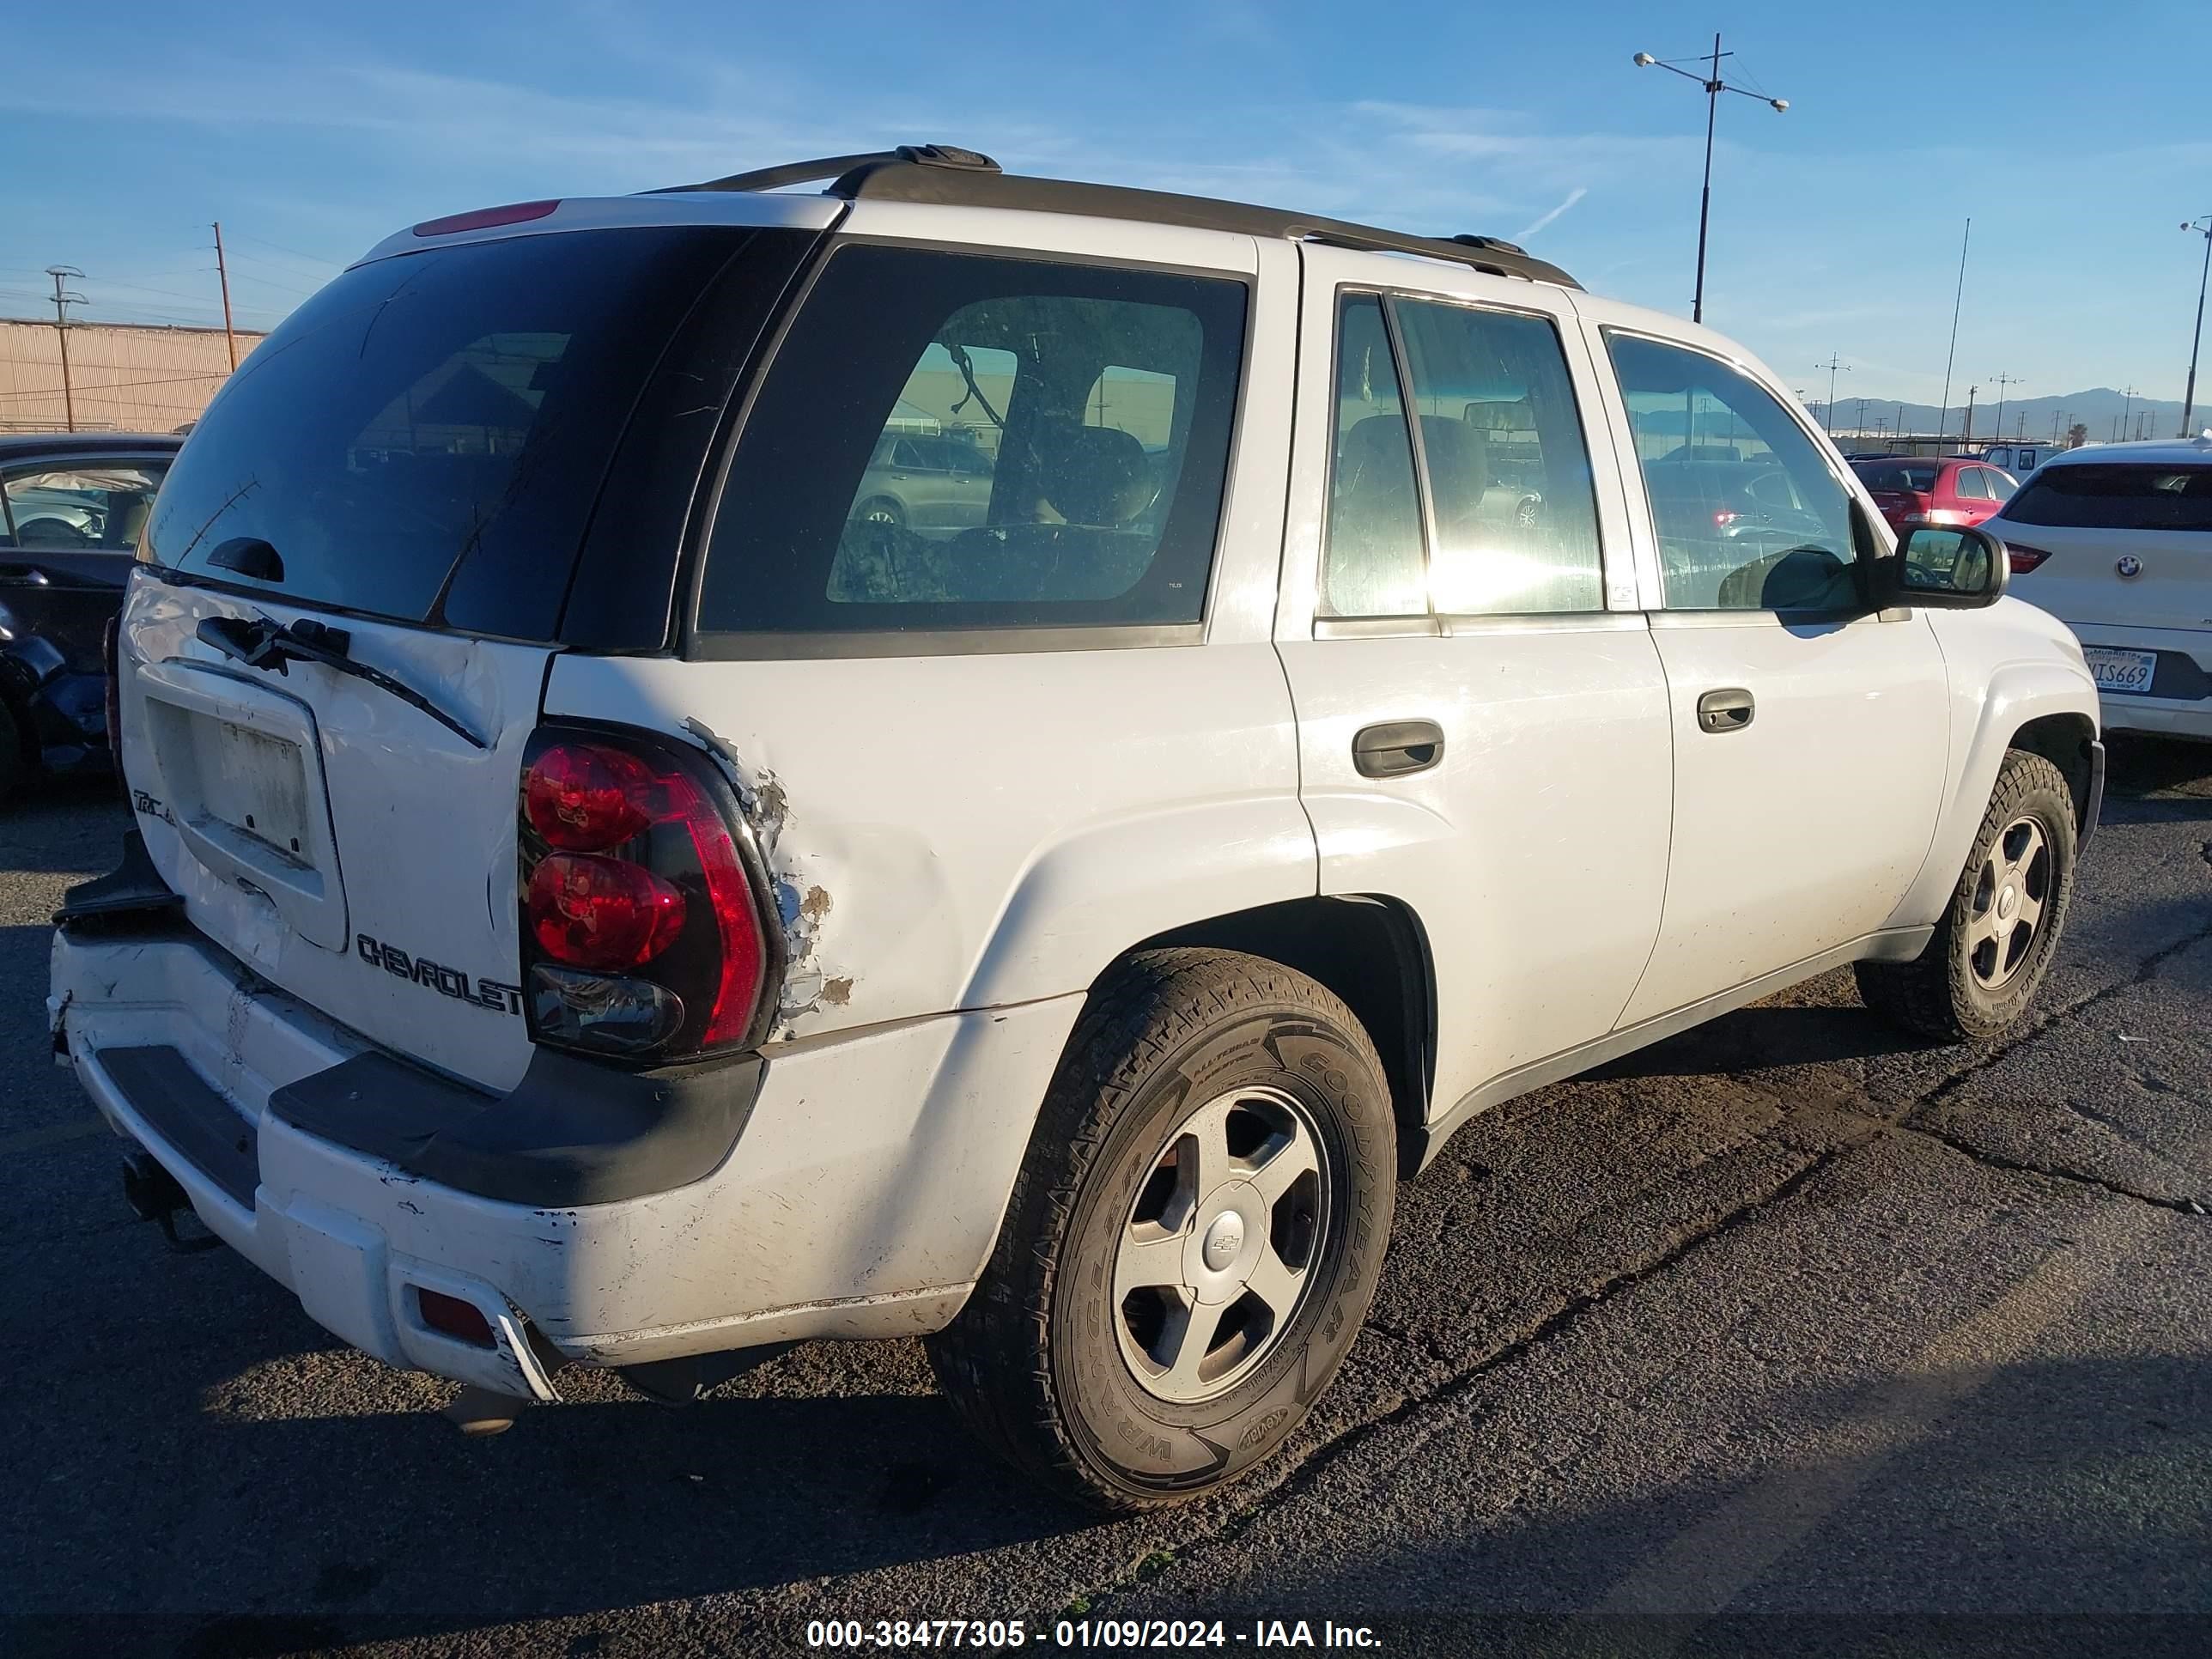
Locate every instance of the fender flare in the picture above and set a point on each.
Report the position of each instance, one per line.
(1085, 899)
(2017, 693)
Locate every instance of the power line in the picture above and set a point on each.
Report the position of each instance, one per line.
(327, 265)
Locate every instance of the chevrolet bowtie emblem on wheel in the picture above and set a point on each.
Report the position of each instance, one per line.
(2129, 565)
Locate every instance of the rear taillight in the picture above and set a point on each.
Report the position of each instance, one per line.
(642, 916)
(2024, 558)
(111, 656)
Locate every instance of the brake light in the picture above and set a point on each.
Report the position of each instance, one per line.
(644, 922)
(595, 912)
(1725, 517)
(514, 213)
(585, 797)
(2024, 559)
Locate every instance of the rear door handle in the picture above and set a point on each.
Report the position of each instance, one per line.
(1397, 748)
(1729, 709)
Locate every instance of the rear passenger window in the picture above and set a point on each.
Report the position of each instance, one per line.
(1509, 471)
(1058, 438)
(1747, 514)
(1970, 485)
(1373, 564)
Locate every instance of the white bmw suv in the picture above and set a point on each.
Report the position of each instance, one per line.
(602, 896)
(2117, 541)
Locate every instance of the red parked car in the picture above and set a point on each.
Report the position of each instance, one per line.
(1935, 488)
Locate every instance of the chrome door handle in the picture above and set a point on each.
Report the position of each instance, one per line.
(1727, 710)
(1397, 748)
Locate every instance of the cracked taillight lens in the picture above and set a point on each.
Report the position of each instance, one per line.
(643, 932)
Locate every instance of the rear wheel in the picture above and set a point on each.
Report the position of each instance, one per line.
(1193, 1239)
(882, 510)
(1999, 932)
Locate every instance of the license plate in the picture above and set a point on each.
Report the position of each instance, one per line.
(2121, 671)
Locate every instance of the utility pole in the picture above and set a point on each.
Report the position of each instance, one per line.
(63, 299)
(1968, 436)
(1943, 420)
(2003, 380)
(2196, 335)
(1828, 415)
(222, 275)
(1714, 87)
(2128, 395)
(1860, 430)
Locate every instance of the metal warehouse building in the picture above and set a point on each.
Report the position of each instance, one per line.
(122, 377)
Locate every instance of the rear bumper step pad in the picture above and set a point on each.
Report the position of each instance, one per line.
(178, 1105)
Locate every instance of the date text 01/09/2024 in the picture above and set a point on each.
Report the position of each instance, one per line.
(1122, 1634)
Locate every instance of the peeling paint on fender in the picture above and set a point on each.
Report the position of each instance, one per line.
(800, 905)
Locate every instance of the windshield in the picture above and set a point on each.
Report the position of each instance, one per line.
(424, 439)
(2115, 496)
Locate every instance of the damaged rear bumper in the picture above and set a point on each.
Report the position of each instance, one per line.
(855, 1192)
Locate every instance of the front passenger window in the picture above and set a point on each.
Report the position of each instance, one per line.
(1747, 513)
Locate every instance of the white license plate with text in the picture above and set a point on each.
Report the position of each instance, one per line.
(2121, 671)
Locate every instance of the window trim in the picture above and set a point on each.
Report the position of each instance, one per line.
(694, 643)
(1845, 480)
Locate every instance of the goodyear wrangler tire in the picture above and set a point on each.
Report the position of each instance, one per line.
(1193, 1239)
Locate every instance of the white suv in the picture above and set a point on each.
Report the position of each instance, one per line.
(2117, 541)
(600, 895)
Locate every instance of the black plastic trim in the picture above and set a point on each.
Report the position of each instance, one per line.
(178, 1105)
(2095, 805)
(130, 895)
(572, 1132)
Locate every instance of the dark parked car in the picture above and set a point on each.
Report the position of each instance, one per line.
(71, 507)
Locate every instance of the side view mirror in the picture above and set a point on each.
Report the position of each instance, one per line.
(1946, 566)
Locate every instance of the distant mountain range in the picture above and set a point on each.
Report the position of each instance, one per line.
(2100, 410)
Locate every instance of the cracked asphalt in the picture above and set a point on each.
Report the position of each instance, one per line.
(1785, 1334)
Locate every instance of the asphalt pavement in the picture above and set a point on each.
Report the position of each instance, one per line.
(1788, 1335)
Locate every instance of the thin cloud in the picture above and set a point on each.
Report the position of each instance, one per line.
(1573, 197)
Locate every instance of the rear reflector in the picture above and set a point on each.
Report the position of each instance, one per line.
(2024, 559)
(514, 213)
(449, 1315)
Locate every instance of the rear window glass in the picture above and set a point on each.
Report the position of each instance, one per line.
(424, 439)
(1897, 476)
(954, 442)
(2109, 495)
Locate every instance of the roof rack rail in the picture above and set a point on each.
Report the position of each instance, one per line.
(840, 167)
(947, 175)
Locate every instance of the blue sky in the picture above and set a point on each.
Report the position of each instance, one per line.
(2078, 138)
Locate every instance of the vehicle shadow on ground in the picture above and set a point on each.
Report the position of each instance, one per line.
(70, 824)
(1764, 1037)
(2161, 768)
(379, 1521)
(1968, 1532)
